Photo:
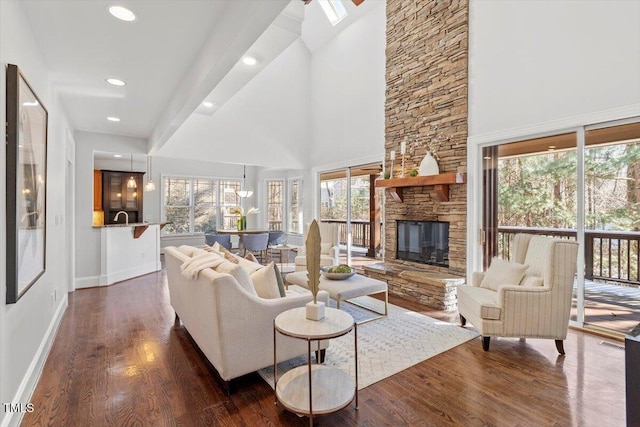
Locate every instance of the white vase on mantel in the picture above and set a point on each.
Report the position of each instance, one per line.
(429, 166)
(315, 311)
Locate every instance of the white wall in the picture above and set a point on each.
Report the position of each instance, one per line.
(265, 124)
(542, 67)
(532, 62)
(348, 93)
(28, 327)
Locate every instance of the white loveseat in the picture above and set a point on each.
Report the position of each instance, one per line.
(232, 326)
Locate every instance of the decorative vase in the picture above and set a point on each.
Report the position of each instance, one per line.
(315, 311)
(429, 165)
(242, 223)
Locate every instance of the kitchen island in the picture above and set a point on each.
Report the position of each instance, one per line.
(129, 250)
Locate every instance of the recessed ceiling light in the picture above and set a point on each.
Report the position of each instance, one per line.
(113, 119)
(30, 103)
(122, 13)
(250, 59)
(208, 104)
(115, 82)
(117, 155)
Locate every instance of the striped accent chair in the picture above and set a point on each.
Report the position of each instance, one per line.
(538, 306)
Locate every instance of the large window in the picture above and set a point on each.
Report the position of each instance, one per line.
(198, 205)
(275, 204)
(295, 206)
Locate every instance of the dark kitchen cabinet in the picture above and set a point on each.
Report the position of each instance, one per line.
(117, 196)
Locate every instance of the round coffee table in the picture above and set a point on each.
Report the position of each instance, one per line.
(315, 389)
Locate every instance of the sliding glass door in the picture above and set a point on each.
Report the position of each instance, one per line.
(348, 197)
(612, 226)
(582, 185)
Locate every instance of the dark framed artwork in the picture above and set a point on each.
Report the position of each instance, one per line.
(26, 185)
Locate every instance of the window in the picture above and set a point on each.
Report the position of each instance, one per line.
(295, 206)
(229, 201)
(275, 204)
(198, 205)
(334, 9)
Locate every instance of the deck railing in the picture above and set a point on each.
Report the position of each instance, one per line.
(611, 256)
(360, 231)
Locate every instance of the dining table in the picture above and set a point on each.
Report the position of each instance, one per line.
(236, 232)
(240, 233)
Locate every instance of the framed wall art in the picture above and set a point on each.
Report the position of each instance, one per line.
(26, 185)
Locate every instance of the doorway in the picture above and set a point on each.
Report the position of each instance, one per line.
(349, 198)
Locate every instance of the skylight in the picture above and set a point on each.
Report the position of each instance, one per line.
(334, 9)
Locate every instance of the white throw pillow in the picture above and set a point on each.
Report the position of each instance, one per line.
(325, 248)
(238, 273)
(502, 272)
(248, 266)
(530, 280)
(265, 282)
(212, 250)
(187, 250)
(219, 248)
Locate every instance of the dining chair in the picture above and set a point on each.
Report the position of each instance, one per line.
(223, 239)
(256, 243)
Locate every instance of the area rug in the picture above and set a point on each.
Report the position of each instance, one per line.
(385, 346)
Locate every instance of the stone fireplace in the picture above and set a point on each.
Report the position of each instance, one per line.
(426, 107)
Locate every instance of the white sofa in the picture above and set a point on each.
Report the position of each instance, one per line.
(231, 326)
(329, 246)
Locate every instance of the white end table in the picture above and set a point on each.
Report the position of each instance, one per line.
(315, 389)
(283, 253)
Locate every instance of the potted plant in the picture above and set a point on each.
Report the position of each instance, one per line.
(242, 220)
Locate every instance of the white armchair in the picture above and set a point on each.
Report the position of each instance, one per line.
(329, 249)
(537, 306)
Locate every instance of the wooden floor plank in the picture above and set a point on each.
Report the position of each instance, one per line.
(118, 360)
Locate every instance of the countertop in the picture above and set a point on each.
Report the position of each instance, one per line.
(131, 224)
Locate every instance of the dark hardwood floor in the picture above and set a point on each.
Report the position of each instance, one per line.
(118, 360)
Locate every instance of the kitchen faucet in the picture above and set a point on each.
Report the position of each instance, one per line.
(126, 217)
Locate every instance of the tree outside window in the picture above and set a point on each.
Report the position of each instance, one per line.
(275, 204)
(198, 205)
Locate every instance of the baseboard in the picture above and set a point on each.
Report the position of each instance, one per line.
(30, 380)
(87, 282)
(139, 270)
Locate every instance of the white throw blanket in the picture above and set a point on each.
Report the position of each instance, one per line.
(192, 267)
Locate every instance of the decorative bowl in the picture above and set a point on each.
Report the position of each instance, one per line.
(324, 271)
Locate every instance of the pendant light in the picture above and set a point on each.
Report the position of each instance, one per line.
(149, 186)
(244, 193)
(131, 182)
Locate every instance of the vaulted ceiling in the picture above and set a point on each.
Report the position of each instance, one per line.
(176, 55)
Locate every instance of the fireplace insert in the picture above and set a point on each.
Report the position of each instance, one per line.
(426, 242)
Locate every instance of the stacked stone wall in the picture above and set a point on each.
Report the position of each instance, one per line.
(426, 106)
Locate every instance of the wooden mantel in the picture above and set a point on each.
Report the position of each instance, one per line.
(440, 183)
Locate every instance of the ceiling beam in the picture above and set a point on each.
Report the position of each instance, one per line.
(237, 29)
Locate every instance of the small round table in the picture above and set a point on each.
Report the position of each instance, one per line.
(283, 252)
(315, 389)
